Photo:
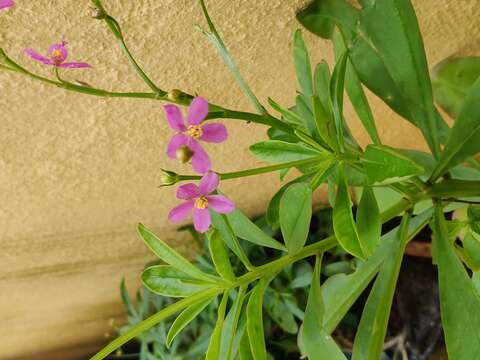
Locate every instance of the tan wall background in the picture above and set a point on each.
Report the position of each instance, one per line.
(77, 172)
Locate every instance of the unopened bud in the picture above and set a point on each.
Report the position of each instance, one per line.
(97, 13)
(184, 154)
(168, 178)
(174, 95)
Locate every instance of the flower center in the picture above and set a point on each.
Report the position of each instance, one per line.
(195, 131)
(201, 203)
(56, 56)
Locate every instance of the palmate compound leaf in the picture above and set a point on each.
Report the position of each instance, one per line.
(459, 300)
(295, 216)
(372, 329)
(317, 342)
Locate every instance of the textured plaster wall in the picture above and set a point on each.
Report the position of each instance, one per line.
(77, 172)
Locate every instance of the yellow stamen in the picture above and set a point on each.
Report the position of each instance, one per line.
(56, 53)
(195, 131)
(201, 203)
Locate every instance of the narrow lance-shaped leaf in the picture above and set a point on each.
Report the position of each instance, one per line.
(216, 41)
(372, 329)
(229, 330)
(168, 281)
(336, 92)
(302, 64)
(213, 351)
(295, 215)
(247, 230)
(277, 309)
(222, 224)
(170, 256)
(255, 331)
(185, 318)
(452, 80)
(220, 256)
(383, 162)
(369, 223)
(289, 116)
(343, 223)
(464, 139)
(459, 302)
(317, 343)
(471, 246)
(340, 291)
(355, 91)
(276, 151)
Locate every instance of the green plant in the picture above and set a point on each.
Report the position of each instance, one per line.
(379, 46)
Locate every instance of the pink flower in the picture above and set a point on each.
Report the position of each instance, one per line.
(190, 133)
(56, 56)
(5, 4)
(198, 199)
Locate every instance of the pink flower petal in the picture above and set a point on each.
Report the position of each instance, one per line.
(176, 142)
(74, 65)
(200, 160)
(197, 111)
(220, 203)
(188, 191)
(180, 212)
(174, 117)
(201, 219)
(58, 48)
(5, 4)
(208, 183)
(36, 56)
(214, 133)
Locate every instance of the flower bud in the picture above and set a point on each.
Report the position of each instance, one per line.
(174, 95)
(168, 178)
(184, 154)
(97, 13)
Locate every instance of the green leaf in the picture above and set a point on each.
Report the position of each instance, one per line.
(289, 116)
(213, 351)
(399, 44)
(341, 291)
(185, 317)
(222, 224)
(372, 329)
(220, 256)
(131, 311)
(295, 215)
(255, 331)
(323, 171)
(247, 230)
(464, 139)
(476, 282)
(217, 42)
(168, 281)
(383, 162)
(304, 111)
(473, 213)
(274, 205)
(230, 325)
(471, 246)
(369, 223)
(355, 91)
(170, 256)
(324, 124)
(459, 302)
(276, 151)
(244, 348)
(279, 312)
(343, 223)
(317, 343)
(452, 80)
(336, 92)
(302, 64)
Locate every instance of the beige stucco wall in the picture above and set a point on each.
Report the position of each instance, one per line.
(77, 172)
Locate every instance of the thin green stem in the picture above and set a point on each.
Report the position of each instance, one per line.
(255, 171)
(454, 188)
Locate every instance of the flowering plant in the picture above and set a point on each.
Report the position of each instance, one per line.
(377, 45)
